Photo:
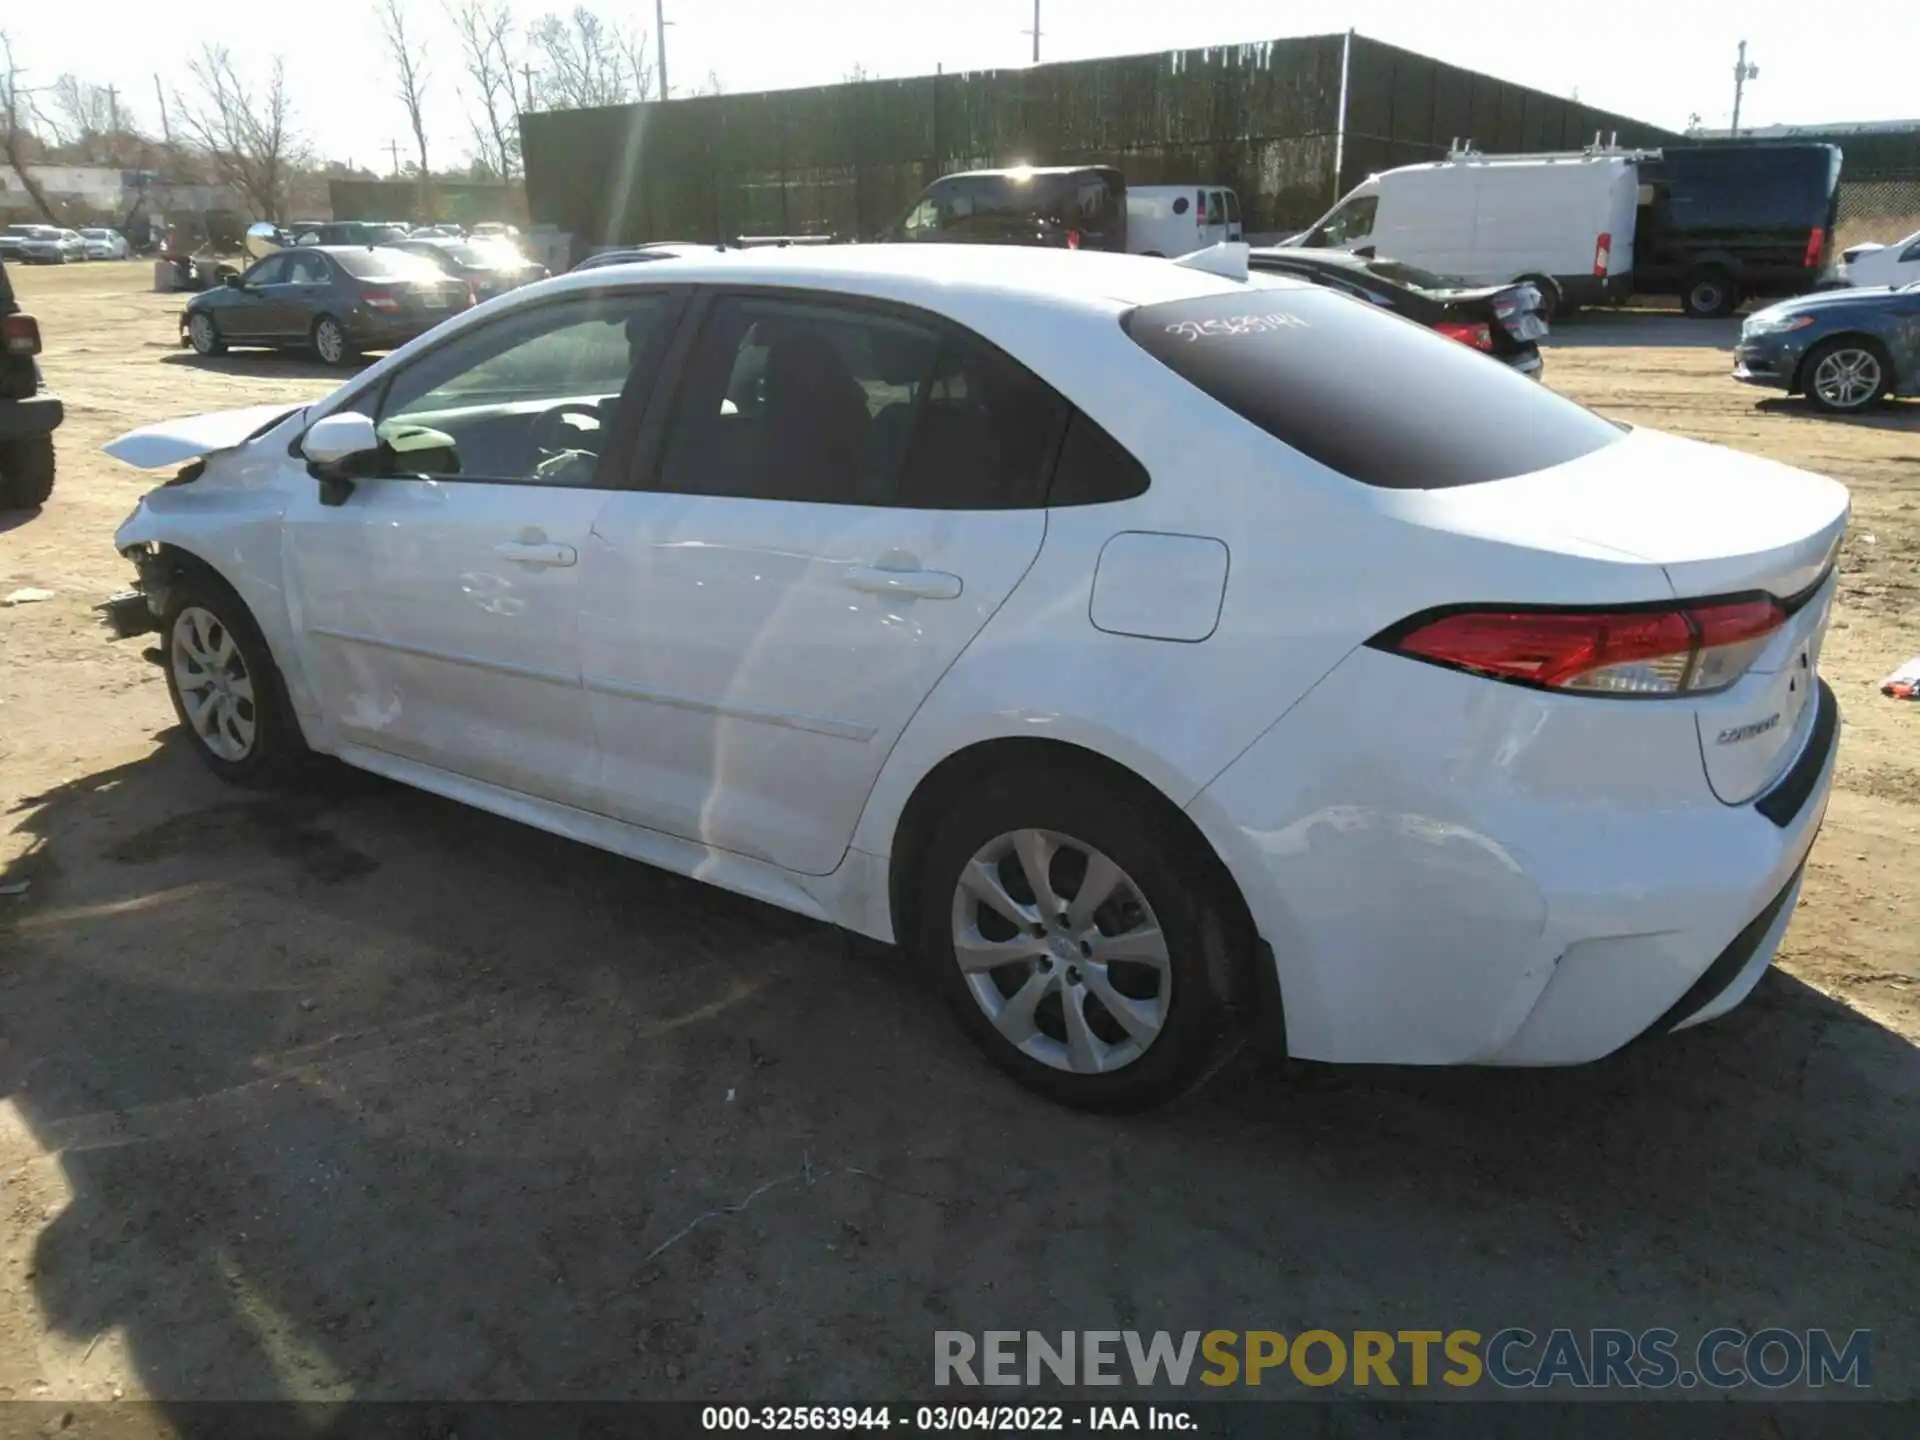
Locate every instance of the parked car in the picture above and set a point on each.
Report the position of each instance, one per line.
(74, 247)
(340, 300)
(28, 415)
(1563, 223)
(36, 245)
(1068, 207)
(105, 244)
(927, 630)
(350, 232)
(1894, 265)
(1175, 220)
(1504, 321)
(634, 254)
(489, 269)
(1845, 350)
(1723, 223)
(494, 230)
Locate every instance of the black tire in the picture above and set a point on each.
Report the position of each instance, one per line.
(1709, 294)
(331, 344)
(1182, 890)
(203, 334)
(277, 751)
(26, 472)
(1865, 357)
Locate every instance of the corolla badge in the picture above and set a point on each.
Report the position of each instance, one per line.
(1736, 733)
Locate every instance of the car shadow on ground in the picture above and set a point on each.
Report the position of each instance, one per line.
(1890, 415)
(268, 364)
(14, 519)
(356, 1092)
(1631, 329)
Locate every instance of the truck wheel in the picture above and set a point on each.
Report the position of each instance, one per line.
(26, 473)
(1709, 295)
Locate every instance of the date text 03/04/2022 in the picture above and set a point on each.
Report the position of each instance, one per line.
(941, 1419)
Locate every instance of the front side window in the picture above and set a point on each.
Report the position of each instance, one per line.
(810, 401)
(1352, 221)
(1233, 208)
(310, 270)
(270, 271)
(529, 399)
(1376, 398)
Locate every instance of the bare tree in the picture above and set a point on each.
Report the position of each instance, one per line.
(247, 135)
(712, 85)
(409, 72)
(587, 61)
(84, 111)
(17, 116)
(487, 49)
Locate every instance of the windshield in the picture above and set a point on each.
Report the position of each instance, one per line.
(387, 265)
(1380, 399)
(965, 206)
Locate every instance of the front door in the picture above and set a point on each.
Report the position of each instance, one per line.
(437, 609)
(248, 313)
(841, 499)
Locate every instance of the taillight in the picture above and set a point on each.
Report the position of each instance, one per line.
(1602, 253)
(1816, 248)
(21, 334)
(1685, 649)
(383, 301)
(1480, 337)
(1073, 239)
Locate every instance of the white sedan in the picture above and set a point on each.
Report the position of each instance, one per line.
(105, 244)
(1158, 651)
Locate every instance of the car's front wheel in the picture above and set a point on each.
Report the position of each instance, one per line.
(1080, 940)
(225, 687)
(1846, 375)
(204, 335)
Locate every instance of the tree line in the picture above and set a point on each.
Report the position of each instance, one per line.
(238, 127)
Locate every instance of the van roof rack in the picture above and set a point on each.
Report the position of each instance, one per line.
(1601, 149)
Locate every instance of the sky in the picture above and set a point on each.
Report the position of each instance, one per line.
(1654, 60)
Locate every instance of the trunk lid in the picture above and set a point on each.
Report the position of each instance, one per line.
(174, 442)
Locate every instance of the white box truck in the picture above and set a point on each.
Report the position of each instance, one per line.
(1176, 220)
(1565, 222)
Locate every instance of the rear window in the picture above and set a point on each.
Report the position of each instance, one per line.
(387, 265)
(1380, 399)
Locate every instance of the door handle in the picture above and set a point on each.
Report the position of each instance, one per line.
(528, 552)
(916, 584)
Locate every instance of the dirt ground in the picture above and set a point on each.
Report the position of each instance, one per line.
(364, 1094)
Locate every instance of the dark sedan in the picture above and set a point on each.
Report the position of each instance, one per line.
(338, 300)
(491, 269)
(1505, 321)
(1845, 350)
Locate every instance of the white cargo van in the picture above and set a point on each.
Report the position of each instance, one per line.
(1174, 220)
(1565, 222)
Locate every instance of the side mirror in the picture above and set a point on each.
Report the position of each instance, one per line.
(1366, 252)
(233, 283)
(339, 449)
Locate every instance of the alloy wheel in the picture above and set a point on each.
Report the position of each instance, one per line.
(200, 331)
(216, 690)
(1848, 378)
(1061, 951)
(328, 340)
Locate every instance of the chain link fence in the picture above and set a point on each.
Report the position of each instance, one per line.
(1883, 209)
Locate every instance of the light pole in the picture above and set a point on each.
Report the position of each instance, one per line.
(1742, 72)
(1035, 32)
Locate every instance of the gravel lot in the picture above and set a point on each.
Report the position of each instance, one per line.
(363, 1094)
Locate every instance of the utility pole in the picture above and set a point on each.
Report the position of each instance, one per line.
(166, 130)
(393, 149)
(1742, 72)
(526, 71)
(1035, 32)
(113, 109)
(660, 30)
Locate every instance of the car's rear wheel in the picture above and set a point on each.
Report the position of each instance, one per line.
(1081, 943)
(26, 472)
(1846, 375)
(225, 687)
(1709, 294)
(204, 335)
(330, 342)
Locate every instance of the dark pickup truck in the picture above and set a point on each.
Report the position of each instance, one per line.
(1721, 223)
(28, 418)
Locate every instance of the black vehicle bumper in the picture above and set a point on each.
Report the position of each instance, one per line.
(23, 419)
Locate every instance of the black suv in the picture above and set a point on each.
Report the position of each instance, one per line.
(1074, 207)
(1719, 223)
(27, 417)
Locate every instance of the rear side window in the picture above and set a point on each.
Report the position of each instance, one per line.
(1379, 399)
(986, 432)
(382, 264)
(1216, 208)
(1094, 468)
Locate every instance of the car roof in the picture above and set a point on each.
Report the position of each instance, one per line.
(1023, 170)
(910, 272)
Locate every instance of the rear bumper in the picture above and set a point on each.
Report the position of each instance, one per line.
(22, 419)
(1520, 879)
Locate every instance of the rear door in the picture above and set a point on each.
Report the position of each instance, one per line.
(1216, 230)
(1234, 231)
(837, 500)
